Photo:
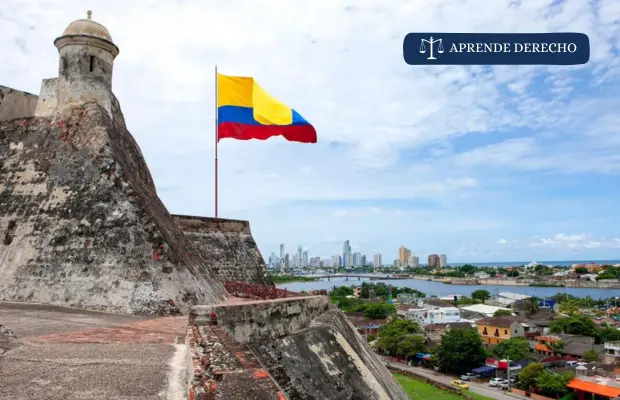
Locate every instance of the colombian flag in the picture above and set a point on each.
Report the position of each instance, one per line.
(246, 111)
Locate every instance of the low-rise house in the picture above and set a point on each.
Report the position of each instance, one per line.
(593, 383)
(507, 299)
(495, 330)
(482, 275)
(403, 309)
(540, 320)
(434, 332)
(435, 315)
(438, 302)
(479, 311)
(612, 352)
(572, 345)
(365, 326)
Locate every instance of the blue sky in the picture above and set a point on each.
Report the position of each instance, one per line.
(480, 163)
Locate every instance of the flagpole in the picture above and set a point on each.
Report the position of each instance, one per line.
(216, 141)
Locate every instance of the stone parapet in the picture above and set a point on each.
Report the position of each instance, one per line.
(221, 368)
(262, 320)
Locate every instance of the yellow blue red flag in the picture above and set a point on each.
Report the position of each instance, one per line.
(246, 111)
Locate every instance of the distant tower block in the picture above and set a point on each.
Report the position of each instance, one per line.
(87, 55)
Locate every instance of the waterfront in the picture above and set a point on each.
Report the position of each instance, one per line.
(441, 289)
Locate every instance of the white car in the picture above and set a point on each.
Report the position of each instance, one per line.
(496, 382)
(469, 376)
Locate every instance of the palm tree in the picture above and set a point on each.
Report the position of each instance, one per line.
(556, 347)
(531, 306)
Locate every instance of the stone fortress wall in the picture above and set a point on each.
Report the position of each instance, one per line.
(16, 104)
(228, 245)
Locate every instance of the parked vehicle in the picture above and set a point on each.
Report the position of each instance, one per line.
(495, 382)
(504, 384)
(469, 376)
(459, 384)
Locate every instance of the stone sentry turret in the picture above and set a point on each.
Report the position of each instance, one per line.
(86, 62)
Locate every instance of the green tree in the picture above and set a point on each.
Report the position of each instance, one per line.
(531, 306)
(467, 269)
(607, 334)
(553, 384)
(581, 270)
(513, 274)
(410, 345)
(556, 348)
(575, 325)
(590, 355)
(464, 301)
(394, 332)
(481, 295)
(378, 310)
(529, 375)
(502, 313)
(460, 350)
(514, 349)
(570, 307)
(341, 291)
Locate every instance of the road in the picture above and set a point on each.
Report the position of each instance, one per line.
(479, 388)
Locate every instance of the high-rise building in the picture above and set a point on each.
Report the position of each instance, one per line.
(304, 259)
(377, 262)
(357, 259)
(364, 262)
(433, 261)
(299, 256)
(335, 261)
(413, 261)
(282, 251)
(287, 262)
(443, 261)
(403, 256)
(346, 254)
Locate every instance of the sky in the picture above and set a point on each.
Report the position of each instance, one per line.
(482, 163)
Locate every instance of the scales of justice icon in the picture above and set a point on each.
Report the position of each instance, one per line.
(431, 42)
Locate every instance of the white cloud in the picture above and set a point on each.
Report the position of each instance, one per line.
(502, 241)
(426, 156)
(576, 242)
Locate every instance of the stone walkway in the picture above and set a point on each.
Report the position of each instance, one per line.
(70, 354)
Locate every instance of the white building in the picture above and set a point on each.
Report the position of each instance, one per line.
(482, 309)
(443, 261)
(612, 352)
(507, 298)
(435, 315)
(377, 261)
(482, 275)
(413, 261)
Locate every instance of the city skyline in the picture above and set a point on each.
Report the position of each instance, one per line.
(301, 258)
(423, 258)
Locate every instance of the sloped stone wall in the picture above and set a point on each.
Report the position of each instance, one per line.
(228, 245)
(327, 360)
(81, 224)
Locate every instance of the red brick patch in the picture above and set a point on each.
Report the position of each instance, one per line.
(261, 374)
(156, 331)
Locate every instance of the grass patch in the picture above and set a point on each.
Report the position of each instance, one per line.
(420, 390)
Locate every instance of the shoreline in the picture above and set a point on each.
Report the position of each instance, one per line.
(522, 282)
